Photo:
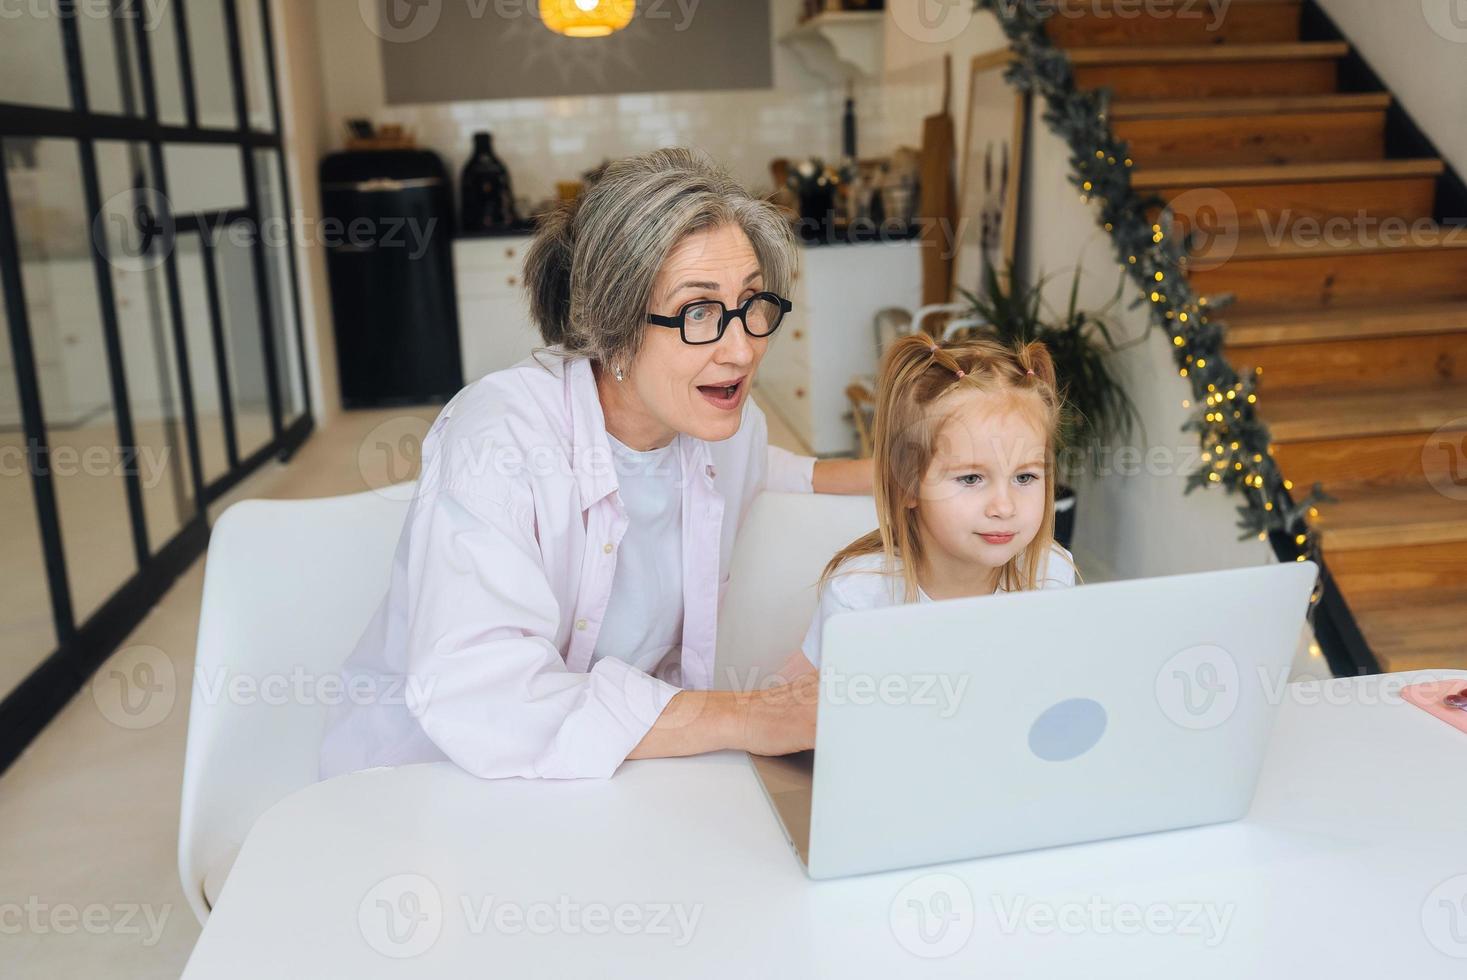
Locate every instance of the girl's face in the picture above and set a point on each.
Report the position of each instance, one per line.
(982, 499)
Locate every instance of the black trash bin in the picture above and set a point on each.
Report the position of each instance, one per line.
(388, 230)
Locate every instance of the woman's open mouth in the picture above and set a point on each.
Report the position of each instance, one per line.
(727, 395)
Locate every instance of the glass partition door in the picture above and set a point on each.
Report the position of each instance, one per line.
(150, 348)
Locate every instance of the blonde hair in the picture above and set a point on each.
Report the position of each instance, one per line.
(915, 373)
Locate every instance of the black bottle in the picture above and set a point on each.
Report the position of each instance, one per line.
(488, 201)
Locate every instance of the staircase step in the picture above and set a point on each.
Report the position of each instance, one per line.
(1140, 72)
(1426, 237)
(1373, 271)
(1286, 209)
(1430, 359)
(1316, 326)
(1310, 172)
(1377, 461)
(1373, 517)
(1422, 632)
(1298, 416)
(1396, 574)
(1216, 108)
(1254, 138)
(1100, 23)
(1135, 54)
(1203, 200)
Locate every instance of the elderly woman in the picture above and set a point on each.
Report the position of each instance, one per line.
(553, 600)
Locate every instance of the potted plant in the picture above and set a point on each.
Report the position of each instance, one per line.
(1098, 412)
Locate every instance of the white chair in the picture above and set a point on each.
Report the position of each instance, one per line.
(780, 552)
(289, 586)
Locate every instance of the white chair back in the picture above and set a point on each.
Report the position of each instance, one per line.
(781, 549)
(289, 585)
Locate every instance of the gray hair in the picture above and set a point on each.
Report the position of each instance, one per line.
(592, 264)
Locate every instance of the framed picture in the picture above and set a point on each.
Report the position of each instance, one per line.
(992, 166)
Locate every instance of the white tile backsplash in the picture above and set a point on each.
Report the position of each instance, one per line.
(543, 141)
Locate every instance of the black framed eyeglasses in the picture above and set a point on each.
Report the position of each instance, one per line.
(704, 321)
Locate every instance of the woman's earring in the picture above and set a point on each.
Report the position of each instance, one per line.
(619, 375)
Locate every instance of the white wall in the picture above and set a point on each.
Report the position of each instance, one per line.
(302, 94)
(1419, 49)
(914, 48)
(1137, 523)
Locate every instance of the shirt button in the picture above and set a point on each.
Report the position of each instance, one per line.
(607, 547)
(580, 624)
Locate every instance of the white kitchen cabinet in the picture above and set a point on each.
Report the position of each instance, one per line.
(494, 325)
(830, 337)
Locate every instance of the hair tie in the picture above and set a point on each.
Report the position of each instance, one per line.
(962, 374)
(1030, 371)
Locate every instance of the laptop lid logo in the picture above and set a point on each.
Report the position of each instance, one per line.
(1067, 730)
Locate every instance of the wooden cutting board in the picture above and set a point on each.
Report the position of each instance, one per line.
(938, 209)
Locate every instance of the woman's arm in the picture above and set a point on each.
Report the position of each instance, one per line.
(774, 721)
(849, 476)
(487, 683)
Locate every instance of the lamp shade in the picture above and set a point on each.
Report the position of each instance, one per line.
(587, 18)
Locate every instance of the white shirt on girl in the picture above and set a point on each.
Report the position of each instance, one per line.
(866, 582)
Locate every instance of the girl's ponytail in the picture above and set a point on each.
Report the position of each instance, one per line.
(1035, 357)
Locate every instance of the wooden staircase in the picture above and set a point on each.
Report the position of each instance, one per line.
(1351, 286)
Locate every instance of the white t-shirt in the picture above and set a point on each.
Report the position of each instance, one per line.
(865, 582)
(644, 616)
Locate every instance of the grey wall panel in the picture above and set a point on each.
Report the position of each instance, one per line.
(466, 50)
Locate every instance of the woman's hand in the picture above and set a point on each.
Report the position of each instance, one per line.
(781, 720)
(774, 721)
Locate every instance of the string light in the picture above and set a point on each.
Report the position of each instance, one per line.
(1080, 118)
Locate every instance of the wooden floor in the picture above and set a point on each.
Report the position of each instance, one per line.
(1351, 287)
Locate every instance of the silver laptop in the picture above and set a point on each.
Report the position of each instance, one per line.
(972, 727)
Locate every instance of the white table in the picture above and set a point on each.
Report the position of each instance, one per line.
(1352, 863)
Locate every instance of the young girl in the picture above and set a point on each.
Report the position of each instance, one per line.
(965, 445)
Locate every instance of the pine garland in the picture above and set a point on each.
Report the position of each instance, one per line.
(1237, 450)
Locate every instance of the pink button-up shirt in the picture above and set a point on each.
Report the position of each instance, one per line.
(481, 650)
